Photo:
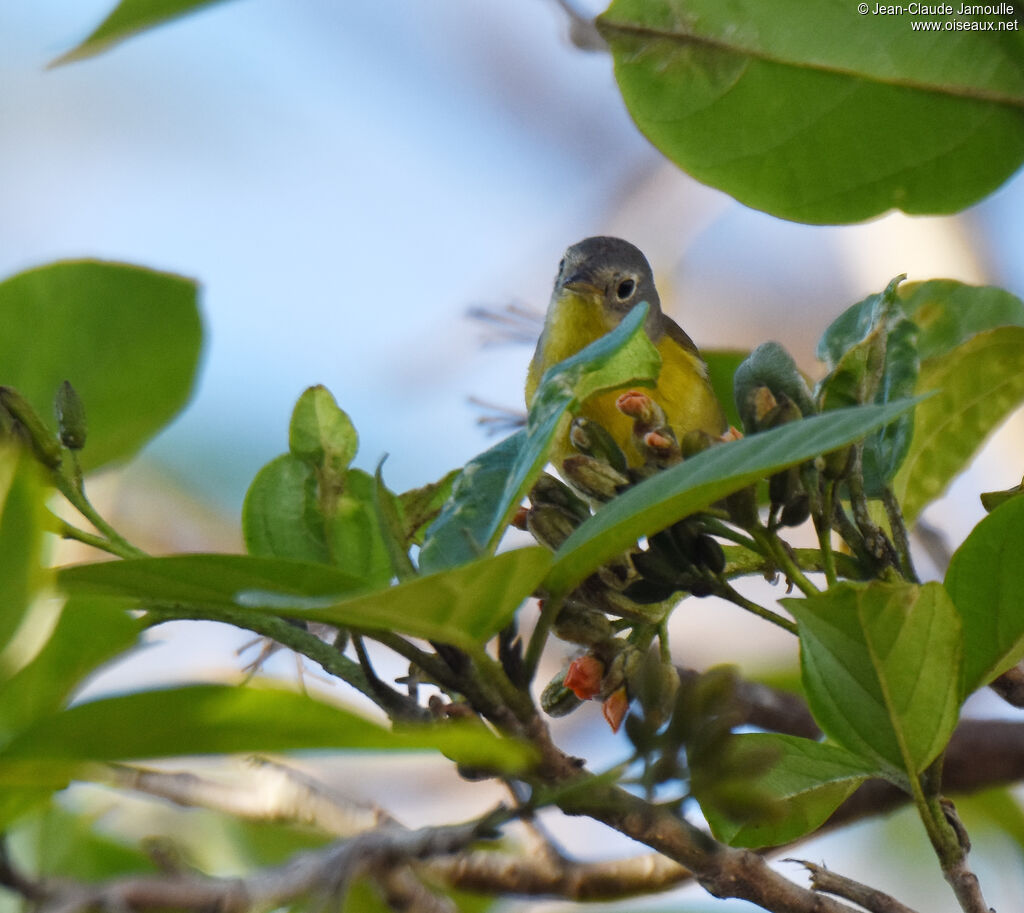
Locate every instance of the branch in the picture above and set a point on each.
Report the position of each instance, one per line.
(327, 872)
(867, 897)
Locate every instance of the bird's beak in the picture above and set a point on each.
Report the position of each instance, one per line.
(583, 284)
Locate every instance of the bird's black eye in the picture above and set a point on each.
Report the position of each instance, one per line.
(625, 289)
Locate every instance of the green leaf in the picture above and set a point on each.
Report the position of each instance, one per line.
(126, 338)
(493, 484)
(871, 350)
(219, 719)
(985, 581)
(419, 507)
(969, 353)
(979, 384)
(355, 540)
(129, 18)
(91, 631)
(881, 667)
(806, 783)
(321, 433)
(813, 113)
(463, 606)
(771, 366)
(210, 580)
(281, 515)
(698, 482)
(722, 365)
(21, 543)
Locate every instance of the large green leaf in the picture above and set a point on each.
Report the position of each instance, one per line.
(986, 581)
(126, 338)
(805, 784)
(129, 18)
(214, 580)
(219, 719)
(462, 606)
(881, 667)
(979, 384)
(814, 113)
(493, 484)
(707, 477)
(969, 342)
(90, 632)
(21, 541)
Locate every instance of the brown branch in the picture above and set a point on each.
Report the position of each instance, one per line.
(1010, 685)
(869, 898)
(325, 872)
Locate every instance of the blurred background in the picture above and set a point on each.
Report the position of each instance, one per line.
(347, 181)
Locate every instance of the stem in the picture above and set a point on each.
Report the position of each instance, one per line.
(823, 528)
(74, 491)
(548, 613)
(899, 534)
(773, 545)
(951, 851)
(727, 592)
(66, 531)
(297, 639)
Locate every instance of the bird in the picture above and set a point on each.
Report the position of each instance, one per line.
(600, 280)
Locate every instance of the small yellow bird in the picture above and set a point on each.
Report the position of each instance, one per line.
(599, 281)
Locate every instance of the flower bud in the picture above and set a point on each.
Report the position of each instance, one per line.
(71, 424)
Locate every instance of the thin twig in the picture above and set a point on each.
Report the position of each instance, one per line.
(869, 898)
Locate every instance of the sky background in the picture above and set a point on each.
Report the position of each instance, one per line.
(346, 180)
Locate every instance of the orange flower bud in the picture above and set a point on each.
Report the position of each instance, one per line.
(615, 707)
(584, 676)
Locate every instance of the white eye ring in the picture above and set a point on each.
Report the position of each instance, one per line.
(625, 288)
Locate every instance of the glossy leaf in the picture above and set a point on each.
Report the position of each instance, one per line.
(219, 719)
(129, 18)
(814, 113)
(419, 507)
(493, 484)
(805, 784)
(881, 668)
(126, 338)
(463, 606)
(986, 581)
(698, 482)
(21, 542)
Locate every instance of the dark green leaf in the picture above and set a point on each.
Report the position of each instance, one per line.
(816, 114)
(986, 583)
(356, 543)
(808, 781)
(22, 497)
(126, 338)
(91, 631)
(129, 18)
(881, 667)
(463, 606)
(492, 485)
(281, 515)
(218, 719)
(690, 486)
(212, 580)
(771, 366)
